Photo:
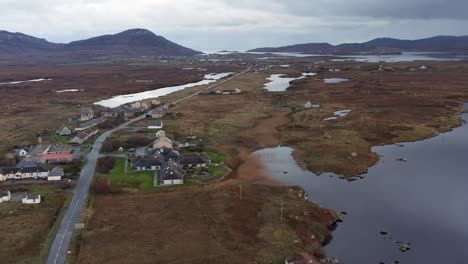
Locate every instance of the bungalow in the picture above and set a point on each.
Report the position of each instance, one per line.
(5, 196)
(148, 163)
(311, 105)
(57, 158)
(155, 124)
(128, 113)
(172, 174)
(86, 114)
(60, 149)
(155, 102)
(84, 135)
(56, 174)
(194, 161)
(163, 142)
(136, 105)
(31, 198)
(26, 163)
(64, 131)
(91, 123)
(23, 173)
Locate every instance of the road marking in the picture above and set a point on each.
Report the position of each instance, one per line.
(66, 230)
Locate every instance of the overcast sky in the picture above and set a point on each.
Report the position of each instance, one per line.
(238, 24)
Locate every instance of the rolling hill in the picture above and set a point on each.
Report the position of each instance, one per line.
(129, 43)
(379, 45)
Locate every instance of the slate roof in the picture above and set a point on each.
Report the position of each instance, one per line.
(32, 196)
(4, 193)
(26, 164)
(193, 159)
(155, 123)
(172, 171)
(169, 154)
(57, 171)
(148, 161)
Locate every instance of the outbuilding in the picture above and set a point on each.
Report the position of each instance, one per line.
(5, 196)
(56, 174)
(155, 124)
(32, 198)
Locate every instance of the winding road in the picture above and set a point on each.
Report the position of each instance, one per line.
(59, 248)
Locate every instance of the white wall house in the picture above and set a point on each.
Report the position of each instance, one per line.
(23, 173)
(5, 196)
(32, 199)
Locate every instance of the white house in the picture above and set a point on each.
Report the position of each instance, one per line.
(311, 105)
(5, 196)
(155, 124)
(31, 198)
(163, 142)
(22, 153)
(160, 133)
(64, 131)
(56, 174)
(23, 173)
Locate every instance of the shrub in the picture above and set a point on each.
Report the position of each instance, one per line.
(105, 165)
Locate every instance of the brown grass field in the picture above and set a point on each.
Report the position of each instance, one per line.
(25, 228)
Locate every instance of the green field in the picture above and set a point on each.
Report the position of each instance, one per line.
(136, 180)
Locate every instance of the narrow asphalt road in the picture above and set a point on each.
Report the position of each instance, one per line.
(59, 248)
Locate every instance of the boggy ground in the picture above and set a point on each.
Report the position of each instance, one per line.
(209, 225)
(30, 108)
(387, 107)
(25, 228)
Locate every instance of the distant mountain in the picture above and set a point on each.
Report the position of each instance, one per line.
(19, 42)
(130, 42)
(133, 42)
(379, 45)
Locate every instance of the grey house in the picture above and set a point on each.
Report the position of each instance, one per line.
(148, 163)
(194, 161)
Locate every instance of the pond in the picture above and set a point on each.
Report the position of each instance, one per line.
(119, 100)
(335, 80)
(422, 202)
(280, 84)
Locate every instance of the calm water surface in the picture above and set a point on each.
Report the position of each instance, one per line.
(423, 201)
(280, 84)
(119, 100)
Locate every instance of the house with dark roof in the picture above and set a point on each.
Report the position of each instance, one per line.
(172, 174)
(194, 161)
(169, 154)
(155, 124)
(84, 135)
(56, 174)
(26, 163)
(148, 163)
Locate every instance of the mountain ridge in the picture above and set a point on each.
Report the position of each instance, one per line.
(379, 45)
(132, 42)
